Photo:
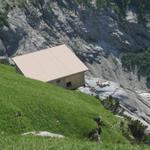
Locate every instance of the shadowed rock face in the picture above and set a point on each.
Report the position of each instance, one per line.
(96, 36)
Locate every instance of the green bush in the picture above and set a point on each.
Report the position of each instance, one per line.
(111, 104)
(3, 19)
(140, 60)
(84, 2)
(103, 3)
(137, 129)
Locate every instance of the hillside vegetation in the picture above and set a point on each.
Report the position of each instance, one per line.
(139, 62)
(46, 107)
(28, 105)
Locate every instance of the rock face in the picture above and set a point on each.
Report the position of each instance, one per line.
(96, 36)
(135, 104)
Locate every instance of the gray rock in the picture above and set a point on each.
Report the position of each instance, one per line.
(43, 134)
(94, 136)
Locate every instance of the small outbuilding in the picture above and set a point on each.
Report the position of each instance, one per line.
(57, 65)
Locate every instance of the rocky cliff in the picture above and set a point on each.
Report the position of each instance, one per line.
(97, 36)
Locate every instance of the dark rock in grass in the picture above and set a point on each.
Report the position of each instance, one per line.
(98, 121)
(18, 114)
(94, 135)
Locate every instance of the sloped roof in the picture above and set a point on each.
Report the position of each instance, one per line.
(50, 64)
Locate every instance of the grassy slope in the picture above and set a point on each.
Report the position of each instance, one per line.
(42, 106)
(35, 143)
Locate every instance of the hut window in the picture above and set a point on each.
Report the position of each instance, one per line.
(68, 84)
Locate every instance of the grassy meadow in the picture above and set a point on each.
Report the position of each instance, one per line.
(27, 105)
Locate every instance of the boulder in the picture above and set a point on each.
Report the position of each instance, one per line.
(43, 134)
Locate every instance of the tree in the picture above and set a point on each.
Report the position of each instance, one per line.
(3, 19)
(137, 129)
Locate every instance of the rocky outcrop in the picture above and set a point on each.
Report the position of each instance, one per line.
(135, 104)
(92, 31)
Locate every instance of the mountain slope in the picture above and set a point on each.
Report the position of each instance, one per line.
(46, 107)
(98, 35)
(28, 105)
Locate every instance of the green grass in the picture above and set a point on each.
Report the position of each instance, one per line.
(44, 107)
(36, 143)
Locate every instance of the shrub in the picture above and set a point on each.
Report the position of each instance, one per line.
(140, 60)
(137, 129)
(111, 104)
(3, 19)
(103, 3)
